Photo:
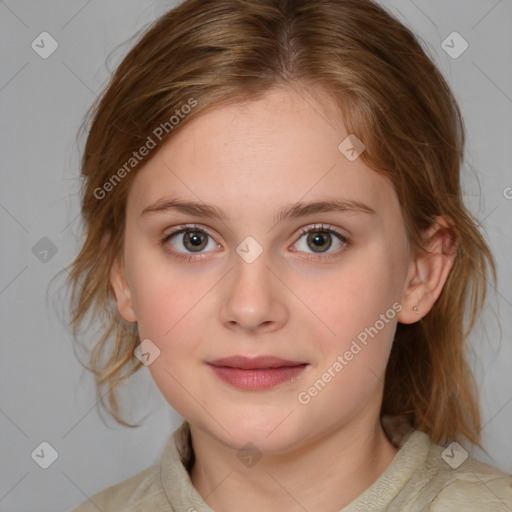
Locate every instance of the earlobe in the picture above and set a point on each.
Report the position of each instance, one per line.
(122, 291)
(429, 271)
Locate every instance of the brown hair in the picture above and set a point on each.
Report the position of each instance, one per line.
(390, 94)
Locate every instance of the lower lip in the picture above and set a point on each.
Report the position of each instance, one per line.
(258, 379)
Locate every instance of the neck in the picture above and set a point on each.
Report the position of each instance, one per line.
(337, 468)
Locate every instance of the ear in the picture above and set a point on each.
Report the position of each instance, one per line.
(428, 271)
(122, 291)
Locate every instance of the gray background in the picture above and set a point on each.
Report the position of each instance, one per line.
(45, 394)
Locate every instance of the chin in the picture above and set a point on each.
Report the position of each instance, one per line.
(271, 433)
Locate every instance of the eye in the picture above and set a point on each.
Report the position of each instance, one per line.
(189, 240)
(320, 239)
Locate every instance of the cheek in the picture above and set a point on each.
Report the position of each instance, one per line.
(353, 360)
(170, 309)
(357, 307)
(171, 306)
(353, 296)
(156, 306)
(163, 294)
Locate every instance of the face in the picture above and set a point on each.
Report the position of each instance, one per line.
(304, 304)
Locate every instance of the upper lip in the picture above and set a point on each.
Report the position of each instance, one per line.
(253, 363)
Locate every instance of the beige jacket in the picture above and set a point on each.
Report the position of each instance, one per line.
(422, 477)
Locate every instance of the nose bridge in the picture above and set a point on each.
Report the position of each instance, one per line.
(251, 273)
(252, 297)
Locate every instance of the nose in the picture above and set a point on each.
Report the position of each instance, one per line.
(254, 297)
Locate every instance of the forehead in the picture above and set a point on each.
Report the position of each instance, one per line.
(260, 155)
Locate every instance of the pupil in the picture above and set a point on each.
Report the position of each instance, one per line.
(194, 239)
(319, 240)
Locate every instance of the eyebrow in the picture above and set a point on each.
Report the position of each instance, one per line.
(292, 211)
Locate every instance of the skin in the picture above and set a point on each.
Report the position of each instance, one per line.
(252, 160)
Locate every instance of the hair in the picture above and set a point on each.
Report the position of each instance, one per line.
(390, 95)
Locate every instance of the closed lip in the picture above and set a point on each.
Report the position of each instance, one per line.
(254, 363)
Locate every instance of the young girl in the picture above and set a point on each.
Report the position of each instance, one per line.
(275, 229)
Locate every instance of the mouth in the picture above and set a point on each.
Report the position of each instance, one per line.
(255, 374)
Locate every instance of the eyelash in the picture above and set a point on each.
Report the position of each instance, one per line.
(307, 229)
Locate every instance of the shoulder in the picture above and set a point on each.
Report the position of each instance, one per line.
(469, 485)
(159, 488)
(129, 495)
(430, 477)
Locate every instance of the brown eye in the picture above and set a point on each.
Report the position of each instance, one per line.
(187, 241)
(319, 240)
(195, 240)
